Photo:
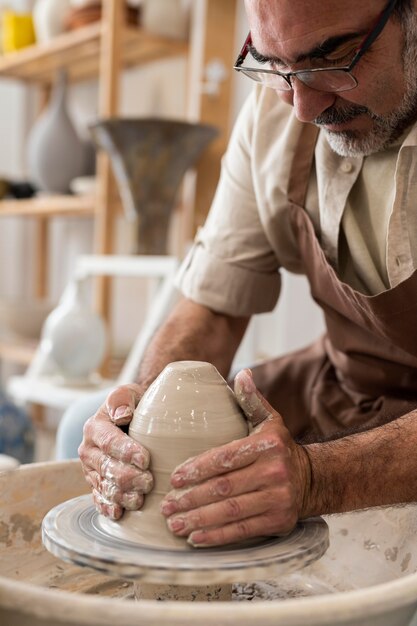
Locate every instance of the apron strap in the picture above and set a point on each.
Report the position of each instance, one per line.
(302, 164)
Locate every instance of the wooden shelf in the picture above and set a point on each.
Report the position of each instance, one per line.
(79, 53)
(48, 206)
(19, 351)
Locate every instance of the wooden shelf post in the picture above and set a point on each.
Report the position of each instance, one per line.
(109, 91)
(211, 19)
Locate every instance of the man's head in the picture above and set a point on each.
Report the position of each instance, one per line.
(302, 34)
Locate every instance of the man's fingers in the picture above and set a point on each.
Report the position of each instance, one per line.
(125, 477)
(226, 486)
(218, 514)
(225, 459)
(103, 506)
(113, 442)
(241, 530)
(256, 408)
(121, 403)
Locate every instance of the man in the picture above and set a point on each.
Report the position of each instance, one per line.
(319, 178)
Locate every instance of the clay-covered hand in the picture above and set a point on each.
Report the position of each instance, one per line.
(251, 487)
(115, 466)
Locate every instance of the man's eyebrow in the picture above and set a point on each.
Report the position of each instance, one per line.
(326, 47)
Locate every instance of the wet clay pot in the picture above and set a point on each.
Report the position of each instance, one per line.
(187, 410)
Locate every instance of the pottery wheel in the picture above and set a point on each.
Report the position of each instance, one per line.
(74, 531)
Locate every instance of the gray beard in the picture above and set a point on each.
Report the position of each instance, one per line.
(386, 129)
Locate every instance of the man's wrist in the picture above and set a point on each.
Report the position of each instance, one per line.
(304, 478)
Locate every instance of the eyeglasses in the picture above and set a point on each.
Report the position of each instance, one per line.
(322, 78)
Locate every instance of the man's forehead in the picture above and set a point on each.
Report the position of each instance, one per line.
(298, 25)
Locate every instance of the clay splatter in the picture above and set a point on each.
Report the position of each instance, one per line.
(406, 561)
(25, 524)
(391, 554)
(4, 533)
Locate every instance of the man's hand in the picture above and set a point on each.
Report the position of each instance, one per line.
(256, 486)
(114, 464)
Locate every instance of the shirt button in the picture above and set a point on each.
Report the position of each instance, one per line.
(346, 167)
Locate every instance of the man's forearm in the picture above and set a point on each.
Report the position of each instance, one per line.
(372, 468)
(192, 332)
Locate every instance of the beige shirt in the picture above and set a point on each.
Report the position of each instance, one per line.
(364, 211)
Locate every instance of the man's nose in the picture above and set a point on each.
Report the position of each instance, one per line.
(308, 103)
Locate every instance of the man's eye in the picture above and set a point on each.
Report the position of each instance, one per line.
(340, 56)
(344, 60)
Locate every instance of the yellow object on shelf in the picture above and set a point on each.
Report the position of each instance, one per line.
(18, 31)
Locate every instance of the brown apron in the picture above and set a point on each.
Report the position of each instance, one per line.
(363, 372)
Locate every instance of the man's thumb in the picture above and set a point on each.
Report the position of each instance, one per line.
(255, 407)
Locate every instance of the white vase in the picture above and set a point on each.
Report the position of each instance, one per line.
(168, 18)
(55, 153)
(74, 337)
(49, 18)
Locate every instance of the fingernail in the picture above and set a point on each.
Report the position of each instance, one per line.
(121, 412)
(197, 538)
(139, 460)
(144, 482)
(184, 474)
(132, 501)
(168, 508)
(177, 480)
(176, 523)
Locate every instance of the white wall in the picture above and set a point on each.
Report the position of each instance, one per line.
(158, 89)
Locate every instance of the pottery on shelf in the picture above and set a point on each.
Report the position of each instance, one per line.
(74, 337)
(55, 153)
(49, 18)
(187, 410)
(149, 159)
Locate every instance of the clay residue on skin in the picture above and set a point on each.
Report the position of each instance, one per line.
(249, 400)
(25, 525)
(176, 494)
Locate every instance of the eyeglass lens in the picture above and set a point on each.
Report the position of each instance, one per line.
(333, 80)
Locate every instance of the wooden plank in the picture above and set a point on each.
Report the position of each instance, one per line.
(17, 351)
(79, 53)
(211, 18)
(49, 206)
(41, 257)
(109, 93)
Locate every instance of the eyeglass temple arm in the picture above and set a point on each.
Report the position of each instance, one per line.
(245, 49)
(380, 24)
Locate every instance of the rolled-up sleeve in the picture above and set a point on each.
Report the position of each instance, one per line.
(231, 267)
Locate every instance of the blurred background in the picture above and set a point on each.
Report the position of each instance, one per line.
(66, 65)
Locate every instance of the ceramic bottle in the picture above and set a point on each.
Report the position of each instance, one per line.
(49, 18)
(74, 337)
(55, 153)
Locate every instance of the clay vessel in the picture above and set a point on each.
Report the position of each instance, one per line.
(55, 153)
(74, 337)
(49, 17)
(187, 410)
(149, 159)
